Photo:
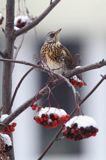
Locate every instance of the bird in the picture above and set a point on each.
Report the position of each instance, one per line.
(57, 58)
(54, 55)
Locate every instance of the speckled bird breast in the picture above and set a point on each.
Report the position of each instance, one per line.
(51, 56)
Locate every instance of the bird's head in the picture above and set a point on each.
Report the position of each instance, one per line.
(53, 36)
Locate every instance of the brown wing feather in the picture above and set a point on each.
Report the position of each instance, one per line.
(68, 57)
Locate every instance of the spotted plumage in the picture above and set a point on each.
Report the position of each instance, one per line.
(54, 55)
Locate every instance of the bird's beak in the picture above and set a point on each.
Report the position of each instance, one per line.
(58, 31)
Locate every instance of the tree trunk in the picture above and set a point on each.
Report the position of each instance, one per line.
(7, 67)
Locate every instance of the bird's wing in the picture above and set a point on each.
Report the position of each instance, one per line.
(68, 57)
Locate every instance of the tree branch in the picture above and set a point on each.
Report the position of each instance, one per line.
(19, 62)
(95, 87)
(18, 48)
(36, 21)
(18, 85)
(43, 92)
(17, 51)
(82, 69)
(51, 143)
(71, 73)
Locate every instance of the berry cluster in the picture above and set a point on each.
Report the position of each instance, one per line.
(76, 82)
(21, 21)
(51, 117)
(5, 143)
(10, 128)
(80, 127)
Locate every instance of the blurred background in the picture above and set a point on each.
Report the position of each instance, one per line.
(83, 26)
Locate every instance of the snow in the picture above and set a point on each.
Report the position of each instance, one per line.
(16, 28)
(78, 66)
(3, 117)
(76, 78)
(82, 121)
(1, 16)
(50, 110)
(23, 19)
(6, 139)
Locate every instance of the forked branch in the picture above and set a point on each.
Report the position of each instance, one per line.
(36, 21)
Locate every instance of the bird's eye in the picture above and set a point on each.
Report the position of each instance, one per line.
(52, 35)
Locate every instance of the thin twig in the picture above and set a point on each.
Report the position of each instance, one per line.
(18, 85)
(36, 21)
(17, 51)
(96, 86)
(51, 2)
(51, 143)
(3, 30)
(26, 8)
(19, 9)
(19, 47)
(36, 66)
(20, 62)
(89, 94)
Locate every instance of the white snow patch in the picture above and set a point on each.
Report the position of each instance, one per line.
(3, 117)
(78, 66)
(16, 28)
(1, 16)
(50, 110)
(23, 19)
(82, 121)
(76, 78)
(6, 139)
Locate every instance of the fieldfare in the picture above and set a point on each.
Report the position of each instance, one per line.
(55, 56)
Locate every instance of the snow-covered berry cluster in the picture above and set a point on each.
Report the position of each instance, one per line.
(10, 128)
(50, 117)
(1, 18)
(76, 82)
(80, 127)
(5, 142)
(5, 139)
(21, 21)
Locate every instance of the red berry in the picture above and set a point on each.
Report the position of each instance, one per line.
(56, 116)
(14, 124)
(33, 107)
